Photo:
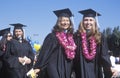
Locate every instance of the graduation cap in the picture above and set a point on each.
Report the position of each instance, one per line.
(18, 26)
(89, 13)
(63, 12)
(4, 31)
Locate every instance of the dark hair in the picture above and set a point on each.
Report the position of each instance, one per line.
(3, 41)
(14, 36)
(56, 28)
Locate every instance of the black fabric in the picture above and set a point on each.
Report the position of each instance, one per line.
(92, 69)
(18, 26)
(1, 62)
(89, 13)
(52, 60)
(4, 31)
(1, 53)
(1, 65)
(3, 71)
(14, 50)
(63, 12)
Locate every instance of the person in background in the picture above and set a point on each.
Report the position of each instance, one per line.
(92, 50)
(19, 55)
(115, 61)
(5, 37)
(58, 50)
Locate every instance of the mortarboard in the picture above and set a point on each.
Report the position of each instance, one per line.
(18, 26)
(89, 13)
(63, 12)
(4, 31)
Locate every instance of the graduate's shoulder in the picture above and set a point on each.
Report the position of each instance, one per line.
(12, 41)
(50, 36)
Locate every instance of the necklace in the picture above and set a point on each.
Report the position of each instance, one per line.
(88, 55)
(66, 40)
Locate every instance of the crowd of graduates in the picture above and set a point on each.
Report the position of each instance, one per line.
(64, 53)
(17, 54)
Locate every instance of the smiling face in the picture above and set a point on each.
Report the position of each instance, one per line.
(18, 33)
(9, 36)
(64, 23)
(88, 23)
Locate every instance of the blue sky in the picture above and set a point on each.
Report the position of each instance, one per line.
(39, 17)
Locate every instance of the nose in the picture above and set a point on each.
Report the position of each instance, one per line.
(88, 21)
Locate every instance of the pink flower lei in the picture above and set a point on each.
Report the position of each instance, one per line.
(66, 40)
(88, 55)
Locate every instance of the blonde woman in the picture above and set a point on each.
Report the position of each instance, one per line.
(58, 50)
(92, 51)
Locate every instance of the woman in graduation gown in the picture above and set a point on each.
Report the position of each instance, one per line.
(92, 51)
(58, 49)
(19, 56)
(6, 37)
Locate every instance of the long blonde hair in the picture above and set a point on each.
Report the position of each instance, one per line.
(56, 28)
(94, 32)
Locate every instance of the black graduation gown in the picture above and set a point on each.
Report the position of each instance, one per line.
(1, 61)
(3, 73)
(1, 57)
(52, 61)
(14, 50)
(1, 53)
(92, 69)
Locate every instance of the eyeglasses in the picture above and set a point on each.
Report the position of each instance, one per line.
(9, 35)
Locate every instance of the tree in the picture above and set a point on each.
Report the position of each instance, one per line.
(113, 39)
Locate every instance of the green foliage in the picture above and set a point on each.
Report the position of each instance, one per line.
(113, 39)
(107, 32)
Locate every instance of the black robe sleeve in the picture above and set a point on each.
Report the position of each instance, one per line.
(1, 53)
(105, 58)
(46, 51)
(10, 59)
(31, 56)
(1, 58)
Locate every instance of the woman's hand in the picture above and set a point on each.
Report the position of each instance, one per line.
(24, 60)
(21, 60)
(36, 70)
(27, 60)
(115, 73)
(32, 73)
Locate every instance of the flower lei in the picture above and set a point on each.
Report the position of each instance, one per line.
(66, 40)
(89, 55)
